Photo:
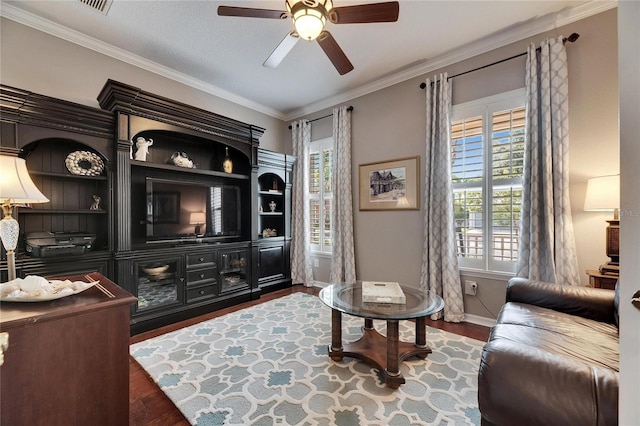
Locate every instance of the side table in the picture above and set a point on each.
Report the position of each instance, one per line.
(598, 280)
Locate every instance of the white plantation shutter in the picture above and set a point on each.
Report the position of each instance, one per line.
(314, 198)
(467, 158)
(487, 147)
(507, 141)
(320, 196)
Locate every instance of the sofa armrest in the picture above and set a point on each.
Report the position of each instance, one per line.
(587, 302)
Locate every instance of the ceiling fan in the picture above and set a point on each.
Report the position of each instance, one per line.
(309, 18)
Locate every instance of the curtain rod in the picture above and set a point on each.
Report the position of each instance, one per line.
(572, 38)
(350, 108)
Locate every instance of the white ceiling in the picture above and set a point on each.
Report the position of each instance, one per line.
(189, 42)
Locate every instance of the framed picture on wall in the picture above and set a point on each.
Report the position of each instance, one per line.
(390, 185)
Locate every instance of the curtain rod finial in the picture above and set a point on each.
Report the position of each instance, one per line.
(573, 37)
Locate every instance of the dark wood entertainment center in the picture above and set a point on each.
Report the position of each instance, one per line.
(238, 256)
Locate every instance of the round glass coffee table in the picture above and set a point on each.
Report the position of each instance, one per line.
(383, 353)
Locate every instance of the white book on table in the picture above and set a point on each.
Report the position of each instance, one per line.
(382, 292)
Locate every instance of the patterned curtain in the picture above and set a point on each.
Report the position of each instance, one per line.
(301, 271)
(439, 259)
(343, 263)
(547, 248)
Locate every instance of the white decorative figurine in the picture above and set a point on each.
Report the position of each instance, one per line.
(181, 159)
(272, 206)
(143, 148)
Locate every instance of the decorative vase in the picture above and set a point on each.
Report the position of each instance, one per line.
(227, 164)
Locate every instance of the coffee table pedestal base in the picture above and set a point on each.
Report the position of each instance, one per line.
(382, 353)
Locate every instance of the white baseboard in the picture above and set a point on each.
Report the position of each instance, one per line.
(477, 319)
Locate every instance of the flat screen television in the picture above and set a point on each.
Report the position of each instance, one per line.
(184, 210)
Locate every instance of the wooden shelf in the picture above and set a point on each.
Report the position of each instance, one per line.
(277, 194)
(271, 214)
(59, 211)
(186, 170)
(67, 176)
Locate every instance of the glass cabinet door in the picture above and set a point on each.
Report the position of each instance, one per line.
(159, 282)
(233, 272)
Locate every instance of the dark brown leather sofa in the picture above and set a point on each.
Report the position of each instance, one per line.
(552, 357)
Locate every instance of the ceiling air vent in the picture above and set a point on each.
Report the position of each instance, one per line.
(101, 6)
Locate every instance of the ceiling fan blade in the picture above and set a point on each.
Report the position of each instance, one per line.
(334, 52)
(282, 50)
(248, 12)
(365, 13)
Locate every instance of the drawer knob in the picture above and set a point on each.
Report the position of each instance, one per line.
(201, 292)
(201, 259)
(201, 275)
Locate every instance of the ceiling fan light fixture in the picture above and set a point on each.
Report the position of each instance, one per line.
(309, 16)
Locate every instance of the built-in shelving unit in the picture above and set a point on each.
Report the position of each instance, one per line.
(211, 267)
(180, 255)
(45, 131)
(274, 220)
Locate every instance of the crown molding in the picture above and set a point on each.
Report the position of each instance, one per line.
(41, 24)
(487, 44)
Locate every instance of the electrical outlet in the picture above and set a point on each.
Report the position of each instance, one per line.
(316, 263)
(470, 287)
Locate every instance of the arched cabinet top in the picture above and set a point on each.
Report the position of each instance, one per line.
(176, 116)
(42, 117)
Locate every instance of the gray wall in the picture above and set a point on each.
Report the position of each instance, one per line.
(35, 61)
(389, 124)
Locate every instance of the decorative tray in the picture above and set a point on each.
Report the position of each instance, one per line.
(38, 289)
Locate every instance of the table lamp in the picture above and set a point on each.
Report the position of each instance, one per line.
(603, 194)
(16, 187)
(197, 219)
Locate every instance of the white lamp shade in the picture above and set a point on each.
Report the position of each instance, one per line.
(197, 218)
(309, 17)
(309, 26)
(603, 193)
(16, 184)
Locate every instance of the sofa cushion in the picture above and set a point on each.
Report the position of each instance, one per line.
(581, 339)
(542, 366)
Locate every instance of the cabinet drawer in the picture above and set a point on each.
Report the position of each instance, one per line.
(201, 275)
(200, 259)
(200, 292)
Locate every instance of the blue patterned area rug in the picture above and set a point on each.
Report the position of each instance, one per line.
(268, 365)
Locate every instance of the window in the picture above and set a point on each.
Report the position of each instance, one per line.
(320, 195)
(487, 147)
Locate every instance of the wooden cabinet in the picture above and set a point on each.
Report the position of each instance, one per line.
(173, 284)
(67, 362)
(50, 133)
(234, 269)
(158, 282)
(146, 236)
(209, 263)
(598, 280)
(272, 252)
(202, 275)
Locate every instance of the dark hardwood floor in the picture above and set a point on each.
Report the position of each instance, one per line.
(149, 406)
